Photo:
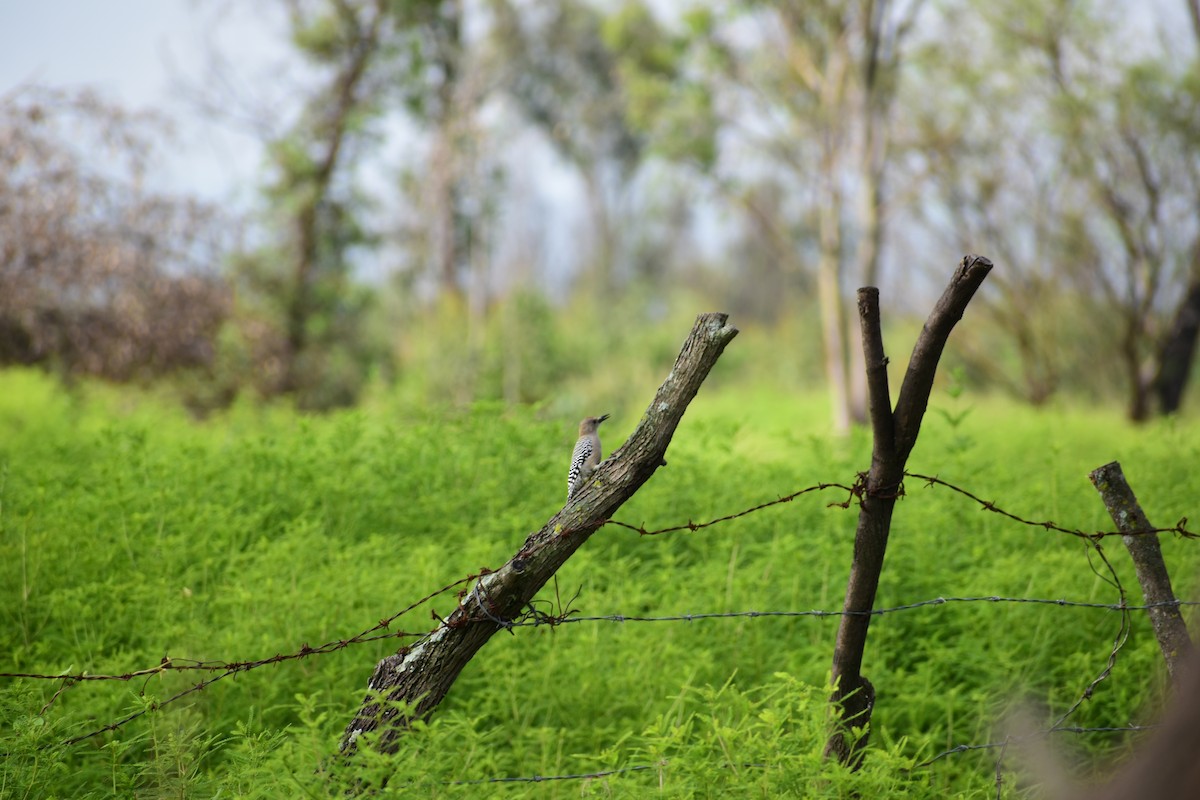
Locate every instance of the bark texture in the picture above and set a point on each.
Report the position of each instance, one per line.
(895, 434)
(409, 685)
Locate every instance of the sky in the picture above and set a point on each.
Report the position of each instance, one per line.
(140, 54)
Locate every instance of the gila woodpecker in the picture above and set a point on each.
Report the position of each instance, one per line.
(586, 456)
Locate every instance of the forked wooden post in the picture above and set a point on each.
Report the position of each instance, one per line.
(895, 434)
(1146, 553)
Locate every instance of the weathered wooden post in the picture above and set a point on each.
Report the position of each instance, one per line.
(895, 434)
(1142, 543)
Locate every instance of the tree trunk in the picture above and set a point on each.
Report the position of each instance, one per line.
(1178, 352)
(602, 273)
(409, 685)
(829, 298)
(872, 163)
(1135, 373)
(332, 128)
(443, 207)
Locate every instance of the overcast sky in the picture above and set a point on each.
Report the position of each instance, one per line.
(137, 53)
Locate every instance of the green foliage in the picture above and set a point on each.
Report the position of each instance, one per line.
(673, 112)
(129, 533)
(521, 350)
(321, 38)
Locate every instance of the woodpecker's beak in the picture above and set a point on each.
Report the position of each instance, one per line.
(601, 418)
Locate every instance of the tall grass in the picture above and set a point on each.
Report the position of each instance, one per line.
(129, 533)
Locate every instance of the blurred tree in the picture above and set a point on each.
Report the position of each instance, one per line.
(99, 274)
(1178, 353)
(988, 179)
(375, 62)
(656, 69)
(1143, 179)
(410, 69)
(564, 80)
(448, 110)
(810, 87)
(450, 184)
(883, 28)
(443, 83)
(299, 282)
(1079, 165)
(606, 91)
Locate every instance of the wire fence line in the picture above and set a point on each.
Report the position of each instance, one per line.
(936, 601)
(1036, 736)
(541, 619)
(1179, 528)
(582, 776)
(536, 617)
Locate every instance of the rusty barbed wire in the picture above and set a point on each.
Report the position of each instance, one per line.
(175, 664)
(857, 489)
(1180, 528)
(540, 618)
(227, 669)
(853, 491)
(1093, 540)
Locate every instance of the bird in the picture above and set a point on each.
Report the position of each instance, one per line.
(586, 455)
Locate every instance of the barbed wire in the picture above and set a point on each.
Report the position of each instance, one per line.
(228, 668)
(605, 773)
(1093, 539)
(1179, 528)
(532, 619)
(854, 491)
(1119, 640)
(535, 617)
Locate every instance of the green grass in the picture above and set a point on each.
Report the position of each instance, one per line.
(129, 533)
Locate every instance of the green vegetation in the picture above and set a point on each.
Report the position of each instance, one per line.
(129, 533)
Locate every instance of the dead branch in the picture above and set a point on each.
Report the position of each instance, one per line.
(409, 685)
